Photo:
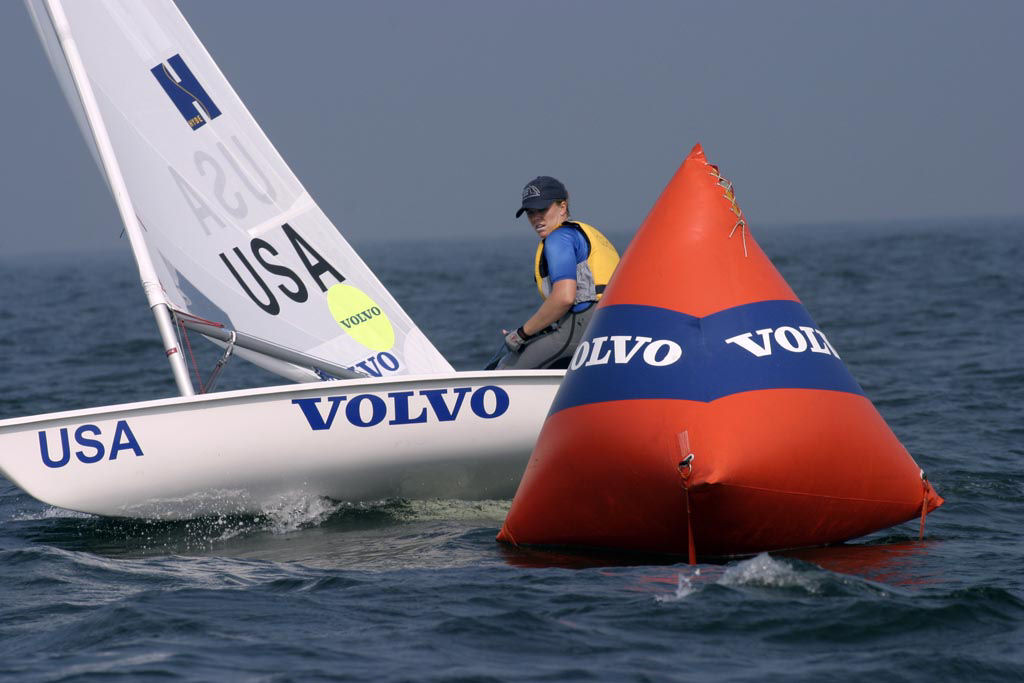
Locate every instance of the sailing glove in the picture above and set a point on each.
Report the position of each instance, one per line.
(515, 339)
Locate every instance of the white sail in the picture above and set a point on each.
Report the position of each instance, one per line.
(232, 235)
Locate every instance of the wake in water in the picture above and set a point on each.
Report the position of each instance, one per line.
(769, 575)
(284, 519)
(684, 588)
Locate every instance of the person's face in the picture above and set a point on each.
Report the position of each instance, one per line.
(546, 220)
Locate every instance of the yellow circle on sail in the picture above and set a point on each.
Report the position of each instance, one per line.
(361, 317)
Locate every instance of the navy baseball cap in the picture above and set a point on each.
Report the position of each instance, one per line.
(540, 192)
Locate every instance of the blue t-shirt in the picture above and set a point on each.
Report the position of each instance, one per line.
(563, 249)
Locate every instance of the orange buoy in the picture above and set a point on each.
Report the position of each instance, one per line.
(705, 413)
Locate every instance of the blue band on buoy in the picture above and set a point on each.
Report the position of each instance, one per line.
(647, 352)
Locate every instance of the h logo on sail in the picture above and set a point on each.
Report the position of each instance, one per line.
(186, 92)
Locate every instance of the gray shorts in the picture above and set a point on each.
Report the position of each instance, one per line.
(551, 349)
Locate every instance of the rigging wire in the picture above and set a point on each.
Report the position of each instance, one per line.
(179, 319)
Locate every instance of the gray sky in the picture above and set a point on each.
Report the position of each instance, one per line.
(426, 118)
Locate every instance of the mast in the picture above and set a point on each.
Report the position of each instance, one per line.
(112, 170)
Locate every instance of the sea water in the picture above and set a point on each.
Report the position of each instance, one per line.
(928, 316)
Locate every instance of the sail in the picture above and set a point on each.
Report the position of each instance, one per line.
(232, 234)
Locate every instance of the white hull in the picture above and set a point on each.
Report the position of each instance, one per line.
(430, 436)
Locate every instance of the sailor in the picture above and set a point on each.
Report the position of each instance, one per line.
(572, 266)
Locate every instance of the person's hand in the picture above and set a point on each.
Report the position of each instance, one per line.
(515, 339)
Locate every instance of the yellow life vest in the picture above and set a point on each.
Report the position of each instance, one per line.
(600, 262)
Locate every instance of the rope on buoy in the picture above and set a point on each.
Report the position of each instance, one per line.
(685, 470)
(924, 503)
(742, 225)
(730, 195)
(515, 543)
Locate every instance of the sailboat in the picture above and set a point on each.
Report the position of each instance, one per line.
(229, 245)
